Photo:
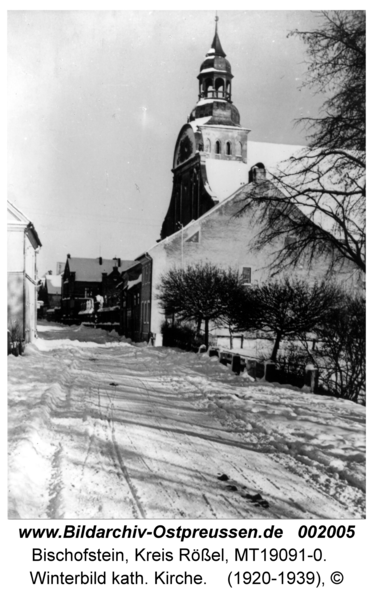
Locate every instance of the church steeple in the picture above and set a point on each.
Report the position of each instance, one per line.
(212, 142)
(215, 87)
(215, 73)
(216, 45)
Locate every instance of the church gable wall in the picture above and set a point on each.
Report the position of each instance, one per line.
(224, 239)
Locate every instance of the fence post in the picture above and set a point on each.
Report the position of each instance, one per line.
(311, 377)
(223, 358)
(236, 364)
(251, 368)
(269, 370)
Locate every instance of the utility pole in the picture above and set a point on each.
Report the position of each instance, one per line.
(181, 227)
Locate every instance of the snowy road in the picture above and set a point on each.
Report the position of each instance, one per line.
(113, 430)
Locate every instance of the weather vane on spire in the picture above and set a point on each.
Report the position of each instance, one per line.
(216, 21)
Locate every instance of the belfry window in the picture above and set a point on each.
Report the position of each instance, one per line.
(228, 149)
(208, 146)
(217, 147)
(238, 149)
(209, 88)
(219, 87)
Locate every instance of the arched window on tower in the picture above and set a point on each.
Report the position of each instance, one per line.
(228, 149)
(219, 87)
(217, 147)
(209, 88)
(208, 146)
(238, 149)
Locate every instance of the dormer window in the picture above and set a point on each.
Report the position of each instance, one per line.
(257, 173)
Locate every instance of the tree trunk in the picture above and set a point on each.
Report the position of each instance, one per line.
(199, 321)
(206, 333)
(276, 346)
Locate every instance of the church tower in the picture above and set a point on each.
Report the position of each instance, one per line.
(210, 158)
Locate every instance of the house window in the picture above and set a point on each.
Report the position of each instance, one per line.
(217, 147)
(246, 275)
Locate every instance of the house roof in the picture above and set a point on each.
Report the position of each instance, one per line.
(90, 269)
(53, 284)
(17, 219)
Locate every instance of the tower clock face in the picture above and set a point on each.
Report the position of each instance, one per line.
(185, 147)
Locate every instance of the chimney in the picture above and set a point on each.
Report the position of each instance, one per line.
(119, 262)
(100, 260)
(257, 173)
(69, 256)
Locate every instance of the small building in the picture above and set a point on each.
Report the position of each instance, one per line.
(52, 291)
(23, 245)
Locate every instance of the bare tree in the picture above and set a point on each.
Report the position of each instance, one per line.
(316, 207)
(289, 308)
(196, 293)
(239, 309)
(340, 355)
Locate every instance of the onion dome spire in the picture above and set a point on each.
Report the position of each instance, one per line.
(215, 74)
(215, 87)
(216, 44)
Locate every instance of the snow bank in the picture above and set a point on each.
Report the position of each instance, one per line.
(101, 428)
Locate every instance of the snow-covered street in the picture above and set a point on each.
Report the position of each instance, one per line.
(101, 428)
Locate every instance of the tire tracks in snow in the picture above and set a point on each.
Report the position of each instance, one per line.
(116, 457)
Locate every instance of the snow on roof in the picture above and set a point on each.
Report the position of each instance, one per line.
(17, 212)
(271, 155)
(134, 282)
(53, 284)
(225, 176)
(209, 101)
(275, 158)
(228, 178)
(197, 122)
(89, 269)
(15, 217)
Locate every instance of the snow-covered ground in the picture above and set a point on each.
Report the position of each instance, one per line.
(102, 428)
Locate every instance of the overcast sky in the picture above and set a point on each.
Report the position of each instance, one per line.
(96, 100)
